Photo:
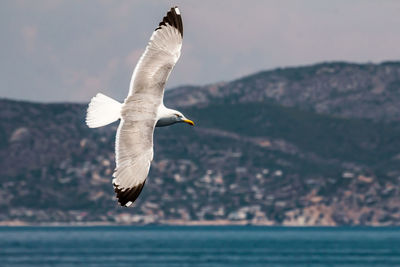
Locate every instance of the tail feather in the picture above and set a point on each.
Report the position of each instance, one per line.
(102, 110)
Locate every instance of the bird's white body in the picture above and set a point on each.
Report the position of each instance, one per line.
(142, 110)
(104, 110)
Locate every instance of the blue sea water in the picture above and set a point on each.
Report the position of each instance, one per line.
(198, 246)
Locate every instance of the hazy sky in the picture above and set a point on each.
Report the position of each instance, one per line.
(56, 50)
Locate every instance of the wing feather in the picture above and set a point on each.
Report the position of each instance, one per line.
(134, 140)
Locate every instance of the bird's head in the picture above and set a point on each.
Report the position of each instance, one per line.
(179, 117)
(168, 116)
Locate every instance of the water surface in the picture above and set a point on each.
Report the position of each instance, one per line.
(198, 246)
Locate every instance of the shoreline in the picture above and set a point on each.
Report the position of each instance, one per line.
(17, 224)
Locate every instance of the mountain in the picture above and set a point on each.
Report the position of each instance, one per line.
(315, 145)
(340, 89)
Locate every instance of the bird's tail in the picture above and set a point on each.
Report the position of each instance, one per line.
(102, 110)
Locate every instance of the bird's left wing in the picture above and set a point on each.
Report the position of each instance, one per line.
(133, 151)
(162, 52)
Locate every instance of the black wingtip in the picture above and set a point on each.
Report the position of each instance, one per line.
(128, 196)
(174, 19)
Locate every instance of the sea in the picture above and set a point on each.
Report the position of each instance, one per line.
(199, 246)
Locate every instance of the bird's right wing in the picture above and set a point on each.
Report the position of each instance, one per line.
(161, 54)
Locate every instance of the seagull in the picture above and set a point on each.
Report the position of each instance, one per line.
(142, 110)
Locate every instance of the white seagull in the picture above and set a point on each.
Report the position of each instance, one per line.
(142, 110)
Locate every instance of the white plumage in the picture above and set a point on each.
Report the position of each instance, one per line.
(102, 110)
(142, 110)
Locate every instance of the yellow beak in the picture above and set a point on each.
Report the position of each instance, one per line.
(188, 122)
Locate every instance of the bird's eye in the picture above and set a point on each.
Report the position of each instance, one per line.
(178, 116)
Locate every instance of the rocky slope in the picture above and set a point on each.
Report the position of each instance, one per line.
(312, 145)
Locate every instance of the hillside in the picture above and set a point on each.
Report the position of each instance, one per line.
(311, 145)
(339, 89)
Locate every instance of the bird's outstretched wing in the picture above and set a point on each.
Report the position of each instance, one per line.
(134, 141)
(161, 55)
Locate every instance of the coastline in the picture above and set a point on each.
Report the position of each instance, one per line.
(178, 223)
